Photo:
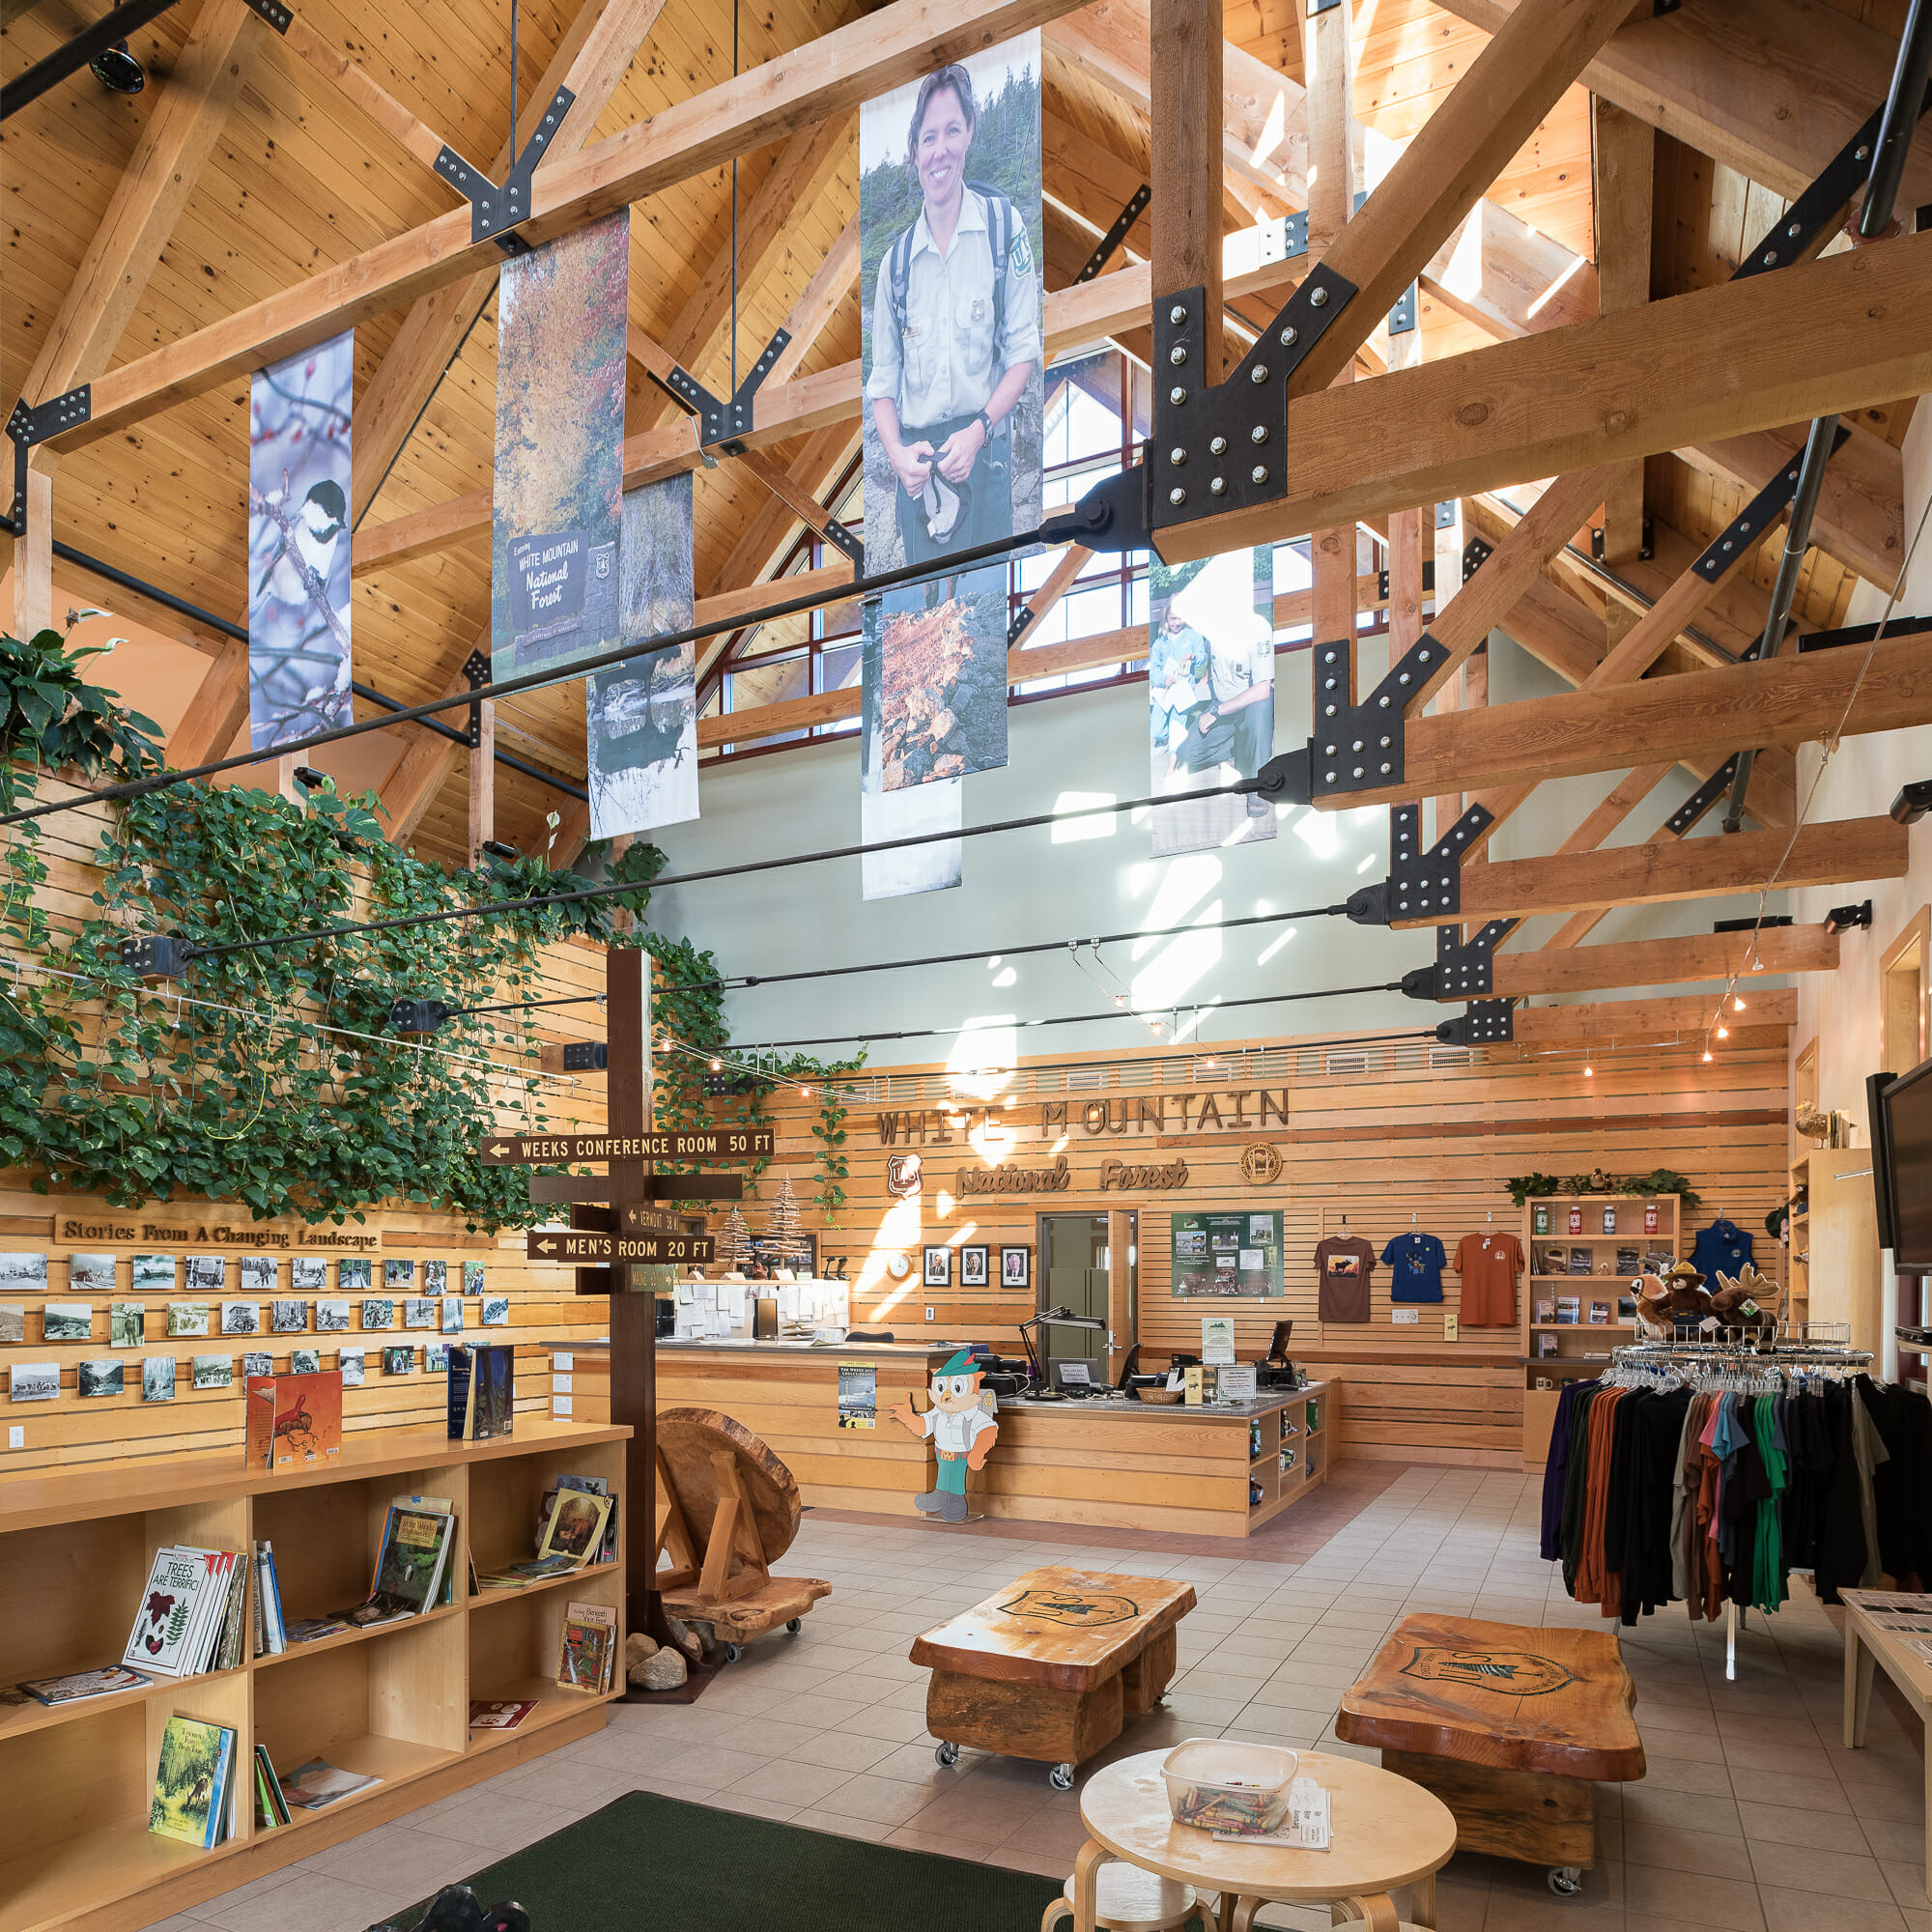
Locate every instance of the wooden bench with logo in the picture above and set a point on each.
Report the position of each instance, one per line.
(1508, 1726)
(1052, 1667)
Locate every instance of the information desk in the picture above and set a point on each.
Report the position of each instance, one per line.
(1208, 1471)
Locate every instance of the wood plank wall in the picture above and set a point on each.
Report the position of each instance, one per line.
(1378, 1133)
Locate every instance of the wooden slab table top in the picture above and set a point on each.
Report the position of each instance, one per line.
(1052, 1666)
(1870, 1638)
(1386, 1832)
(1508, 1725)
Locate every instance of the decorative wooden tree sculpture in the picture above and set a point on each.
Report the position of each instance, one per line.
(786, 1240)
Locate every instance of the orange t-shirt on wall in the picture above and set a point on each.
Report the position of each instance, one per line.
(1489, 1264)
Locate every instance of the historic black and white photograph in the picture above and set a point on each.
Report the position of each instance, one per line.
(105, 1377)
(90, 1274)
(158, 1378)
(207, 1274)
(23, 1274)
(126, 1323)
(153, 1274)
(188, 1317)
(241, 1317)
(331, 1317)
(214, 1372)
(259, 1275)
(33, 1381)
(66, 1322)
(288, 1317)
(308, 1274)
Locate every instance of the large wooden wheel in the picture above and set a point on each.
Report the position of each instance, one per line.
(688, 1442)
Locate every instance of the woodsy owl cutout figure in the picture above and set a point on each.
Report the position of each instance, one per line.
(962, 1434)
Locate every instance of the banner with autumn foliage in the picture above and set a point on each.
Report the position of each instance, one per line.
(557, 509)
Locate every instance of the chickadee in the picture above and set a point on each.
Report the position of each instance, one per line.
(324, 516)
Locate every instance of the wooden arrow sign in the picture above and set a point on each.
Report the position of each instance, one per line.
(651, 1221)
(549, 1189)
(702, 1143)
(574, 1248)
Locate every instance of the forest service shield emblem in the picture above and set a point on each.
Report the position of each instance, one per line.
(1514, 1673)
(1075, 1609)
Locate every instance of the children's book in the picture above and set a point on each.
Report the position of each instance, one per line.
(589, 1643)
(576, 1526)
(317, 1783)
(408, 1566)
(191, 1774)
(83, 1684)
(488, 1714)
(166, 1619)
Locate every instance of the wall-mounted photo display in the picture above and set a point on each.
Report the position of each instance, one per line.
(304, 1361)
(436, 1357)
(561, 314)
(33, 1381)
(353, 1274)
(1231, 1252)
(66, 1322)
(153, 1274)
(1211, 696)
(641, 717)
(973, 1266)
(158, 1378)
(435, 1277)
(308, 1274)
(23, 1274)
(241, 1317)
(102, 1378)
(298, 523)
(452, 1315)
(496, 1311)
(125, 1323)
(1015, 1267)
(257, 1365)
(214, 1372)
(399, 1361)
(91, 1274)
(473, 1277)
(379, 1310)
(12, 1321)
(418, 1311)
(938, 1266)
(350, 1362)
(207, 1274)
(188, 1317)
(331, 1317)
(260, 1274)
(288, 1317)
(399, 1272)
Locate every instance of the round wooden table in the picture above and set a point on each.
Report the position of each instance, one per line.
(1386, 1832)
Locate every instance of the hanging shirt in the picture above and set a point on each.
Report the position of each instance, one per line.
(1489, 1264)
(1722, 1248)
(1344, 1264)
(1416, 1263)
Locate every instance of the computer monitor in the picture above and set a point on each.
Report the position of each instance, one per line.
(1074, 1372)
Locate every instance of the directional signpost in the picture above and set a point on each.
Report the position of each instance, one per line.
(705, 1144)
(579, 1248)
(558, 1187)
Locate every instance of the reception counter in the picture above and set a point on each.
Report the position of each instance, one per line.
(1214, 1470)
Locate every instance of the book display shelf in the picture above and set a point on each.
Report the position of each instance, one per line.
(1287, 1451)
(75, 1550)
(1555, 1348)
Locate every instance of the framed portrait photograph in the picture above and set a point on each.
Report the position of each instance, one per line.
(1015, 1267)
(972, 1267)
(938, 1267)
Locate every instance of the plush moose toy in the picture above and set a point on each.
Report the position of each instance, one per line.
(1746, 1300)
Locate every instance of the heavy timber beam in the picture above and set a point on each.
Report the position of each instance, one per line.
(1772, 88)
(834, 73)
(1665, 962)
(1698, 714)
(1839, 333)
(1631, 1021)
(1851, 850)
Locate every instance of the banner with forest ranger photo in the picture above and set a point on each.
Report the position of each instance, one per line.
(1211, 696)
(562, 315)
(298, 607)
(641, 717)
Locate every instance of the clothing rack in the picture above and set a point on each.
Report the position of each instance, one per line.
(1737, 1356)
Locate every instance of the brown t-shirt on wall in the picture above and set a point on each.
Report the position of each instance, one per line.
(1344, 1266)
(1489, 1264)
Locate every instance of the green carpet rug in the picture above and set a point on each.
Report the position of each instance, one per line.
(647, 1861)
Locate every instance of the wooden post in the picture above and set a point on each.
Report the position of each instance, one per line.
(483, 783)
(1625, 151)
(634, 1315)
(1186, 153)
(1120, 1325)
(31, 603)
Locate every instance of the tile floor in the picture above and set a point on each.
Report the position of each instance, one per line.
(1752, 1817)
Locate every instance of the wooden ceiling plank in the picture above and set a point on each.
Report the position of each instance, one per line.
(1772, 88)
(836, 71)
(357, 85)
(823, 296)
(598, 46)
(1663, 962)
(1630, 1021)
(1847, 851)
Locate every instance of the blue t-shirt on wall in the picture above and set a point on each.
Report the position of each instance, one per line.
(1722, 1248)
(1416, 1262)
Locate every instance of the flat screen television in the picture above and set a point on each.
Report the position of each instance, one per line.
(1904, 1145)
(1881, 1190)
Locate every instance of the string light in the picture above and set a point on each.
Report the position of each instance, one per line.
(1724, 1032)
(1737, 1004)
(1588, 1071)
(717, 1065)
(1707, 1052)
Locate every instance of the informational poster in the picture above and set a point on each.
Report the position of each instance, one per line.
(858, 1395)
(562, 315)
(1217, 1339)
(298, 607)
(1231, 1252)
(952, 346)
(1211, 696)
(641, 719)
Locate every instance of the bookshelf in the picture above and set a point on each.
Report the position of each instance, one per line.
(394, 1702)
(1599, 1225)
(1298, 1428)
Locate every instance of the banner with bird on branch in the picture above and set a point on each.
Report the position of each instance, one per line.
(299, 608)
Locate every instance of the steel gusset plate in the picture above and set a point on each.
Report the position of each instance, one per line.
(1745, 531)
(1220, 446)
(1421, 885)
(1485, 1021)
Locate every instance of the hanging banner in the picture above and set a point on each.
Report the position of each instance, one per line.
(949, 240)
(934, 700)
(561, 312)
(1211, 696)
(939, 807)
(298, 609)
(641, 719)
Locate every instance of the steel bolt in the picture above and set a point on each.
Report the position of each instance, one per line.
(1219, 446)
(1385, 771)
(1770, 258)
(1259, 434)
(1331, 778)
(1177, 456)
(1176, 395)
(1176, 315)
(1795, 230)
(1289, 336)
(1259, 374)
(1358, 771)
(1217, 487)
(1258, 474)
(1863, 155)
(1177, 354)
(1384, 703)
(1176, 495)
(1318, 298)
